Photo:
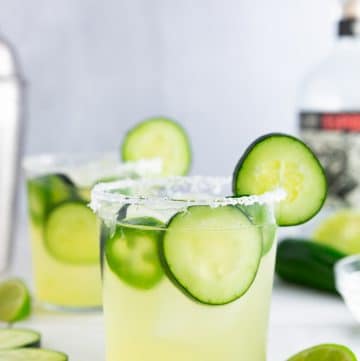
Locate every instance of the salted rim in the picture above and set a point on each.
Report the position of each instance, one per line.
(104, 193)
(42, 163)
(61, 159)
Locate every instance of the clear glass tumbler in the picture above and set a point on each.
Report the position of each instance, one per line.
(64, 231)
(187, 271)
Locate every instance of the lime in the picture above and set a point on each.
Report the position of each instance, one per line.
(15, 301)
(326, 352)
(341, 230)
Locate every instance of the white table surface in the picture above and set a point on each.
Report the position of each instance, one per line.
(299, 318)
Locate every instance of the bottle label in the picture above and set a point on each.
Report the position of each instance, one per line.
(335, 139)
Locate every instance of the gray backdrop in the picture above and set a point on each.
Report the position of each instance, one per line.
(227, 70)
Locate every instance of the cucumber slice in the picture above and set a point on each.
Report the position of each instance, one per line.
(304, 262)
(159, 138)
(30, 354)
(46, 192)
(61, 188)
(212, 254)
(132, 253)
(262, 216)
(280, 160)
(72, 234)
(37, 200)
(11, 338)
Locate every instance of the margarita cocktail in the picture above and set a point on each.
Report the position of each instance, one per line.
(64, 231)
(187, 271)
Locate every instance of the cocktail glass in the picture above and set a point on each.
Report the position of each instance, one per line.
(64, 231)
(187, 271)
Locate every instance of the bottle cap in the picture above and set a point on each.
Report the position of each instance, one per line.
(349, 25)
(351, 9)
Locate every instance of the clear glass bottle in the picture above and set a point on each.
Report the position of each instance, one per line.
(329, 111)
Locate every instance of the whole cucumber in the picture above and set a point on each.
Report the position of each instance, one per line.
(310, 264)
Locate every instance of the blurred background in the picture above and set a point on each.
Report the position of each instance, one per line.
(227, 70)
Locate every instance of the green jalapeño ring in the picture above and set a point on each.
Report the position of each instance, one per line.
(64, 231)
(187, 269)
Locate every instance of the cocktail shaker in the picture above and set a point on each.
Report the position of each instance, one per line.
(11, 130)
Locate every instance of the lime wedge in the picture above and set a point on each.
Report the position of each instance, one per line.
(341, 231)
(15, 301)
(326, 352)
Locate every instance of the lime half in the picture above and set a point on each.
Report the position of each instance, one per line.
(326, 352)
(15, 301)
(341, 231)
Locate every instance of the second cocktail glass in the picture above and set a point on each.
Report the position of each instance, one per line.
(187, 271)
(64, 231)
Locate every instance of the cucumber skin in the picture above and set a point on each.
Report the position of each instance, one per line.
(35, 344)
(307, 263)
(249, 150)
(63, 356)
(176, 282)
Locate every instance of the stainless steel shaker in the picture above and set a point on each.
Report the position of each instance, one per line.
(11, 129)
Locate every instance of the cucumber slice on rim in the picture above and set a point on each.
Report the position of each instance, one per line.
(280, 160)
(211, 254)
(159, 138)
(32, 354)
(132, 253)
(72, 234)
(11, 338)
